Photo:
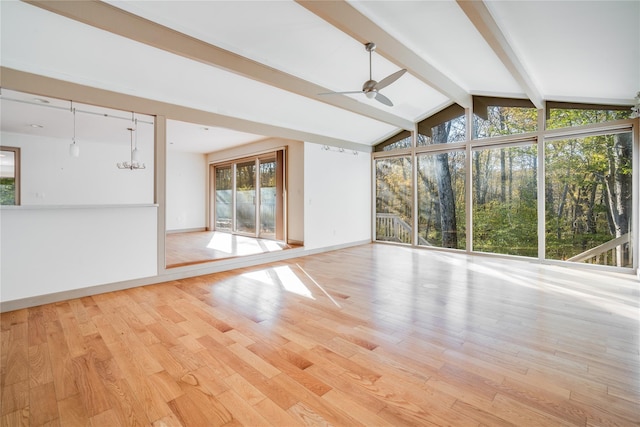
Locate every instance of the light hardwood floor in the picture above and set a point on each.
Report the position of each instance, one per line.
(371, 335)
(196, 247)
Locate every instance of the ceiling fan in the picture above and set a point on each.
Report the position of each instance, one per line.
(371, 88)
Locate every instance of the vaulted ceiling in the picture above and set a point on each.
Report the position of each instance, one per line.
(259, 67)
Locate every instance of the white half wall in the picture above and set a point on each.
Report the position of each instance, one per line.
(186, 191)
(337, 189)
(45, 250)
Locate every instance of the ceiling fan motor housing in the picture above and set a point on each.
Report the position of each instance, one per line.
(369, 88)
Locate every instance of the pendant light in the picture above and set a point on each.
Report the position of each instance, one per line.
(134, 162)
(74, 148)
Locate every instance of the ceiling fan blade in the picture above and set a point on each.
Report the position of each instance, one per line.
(340, 93)
(381, 98)
(390, 79)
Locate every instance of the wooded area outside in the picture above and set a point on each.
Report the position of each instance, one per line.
(505, 218)
(441, 203)
(588, 195)
(587, 187)
(7, 191)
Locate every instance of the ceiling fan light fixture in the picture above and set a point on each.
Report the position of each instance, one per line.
(371, 94)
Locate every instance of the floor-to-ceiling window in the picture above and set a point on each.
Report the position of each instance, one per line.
(588, 180)
(554, 183)
(440, 179)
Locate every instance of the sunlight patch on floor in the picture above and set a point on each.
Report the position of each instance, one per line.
(241, 245)
(557, 285)
(221, 242)
(319, 286)
(282, 277)
(291, 282)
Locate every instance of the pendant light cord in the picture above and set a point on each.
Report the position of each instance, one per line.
(74, 122)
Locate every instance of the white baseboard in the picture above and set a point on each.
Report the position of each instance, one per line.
(187, 230)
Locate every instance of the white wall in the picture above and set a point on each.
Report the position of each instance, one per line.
(49, 176)
(337, 191)
(295, 192)
(295, 177)
(45, 250)
(186, 191)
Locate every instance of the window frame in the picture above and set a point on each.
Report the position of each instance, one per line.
(16, 172)
(279, 155)
(480, 109)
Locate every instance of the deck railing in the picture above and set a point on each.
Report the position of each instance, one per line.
(614, 252)
(392, 228)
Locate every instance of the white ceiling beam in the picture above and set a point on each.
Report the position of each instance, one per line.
(350, 21)
(49, 87)
(110, 18)
(482, 19)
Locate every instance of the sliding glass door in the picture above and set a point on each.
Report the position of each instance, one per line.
(223, 198)
(249, 197)
(268, 197)
(245, 192)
